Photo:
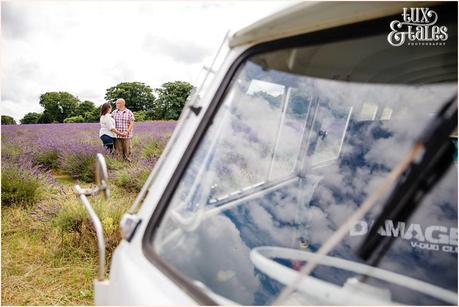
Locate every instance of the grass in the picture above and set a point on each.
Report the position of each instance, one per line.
(47, 257)
(48, 159)
(132, 179)
(153, 149)
(20, 186)
(79, 166)
(12, 151)
(31, 272)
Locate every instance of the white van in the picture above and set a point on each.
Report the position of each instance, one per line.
(317, 166)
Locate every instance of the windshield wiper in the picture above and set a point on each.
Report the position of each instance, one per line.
(418, 179)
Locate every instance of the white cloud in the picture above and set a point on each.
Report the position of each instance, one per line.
(85, 47)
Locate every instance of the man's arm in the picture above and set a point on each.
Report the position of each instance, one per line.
(131, 126)
(131, 123)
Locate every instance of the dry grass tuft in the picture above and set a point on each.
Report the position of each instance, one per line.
(46, 264)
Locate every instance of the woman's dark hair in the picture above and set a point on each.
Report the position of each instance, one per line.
(104, 108)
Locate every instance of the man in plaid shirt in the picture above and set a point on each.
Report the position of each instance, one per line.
(124, 122)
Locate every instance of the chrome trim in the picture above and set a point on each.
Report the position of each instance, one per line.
(97, 226)
(102, 175)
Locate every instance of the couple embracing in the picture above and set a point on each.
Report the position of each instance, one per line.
(116, 128)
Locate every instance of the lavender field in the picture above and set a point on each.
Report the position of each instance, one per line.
(50, 146)
(48, 245)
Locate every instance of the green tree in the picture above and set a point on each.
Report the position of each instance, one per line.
(74, 119)
(92, 116)
(8, 120)
(84, 107)
(171, 100)
(140, 116)
(45, 118)
(30, 118)
(138, 96)
(58, 106)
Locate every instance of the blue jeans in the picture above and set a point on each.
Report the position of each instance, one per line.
(108, 142)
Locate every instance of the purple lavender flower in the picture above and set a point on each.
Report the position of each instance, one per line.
(25, 145)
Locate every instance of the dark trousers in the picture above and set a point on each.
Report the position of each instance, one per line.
(108, 142)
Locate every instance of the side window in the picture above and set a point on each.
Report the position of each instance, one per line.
(247, 141)
(386, 114)
(295, 110)
(330, 125)
(257, 139)
(368, 111)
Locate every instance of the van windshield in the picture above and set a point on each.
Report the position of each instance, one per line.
(302, 137)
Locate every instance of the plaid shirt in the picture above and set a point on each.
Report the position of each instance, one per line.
(122, 120)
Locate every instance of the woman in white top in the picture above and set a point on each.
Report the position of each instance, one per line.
(108, 132)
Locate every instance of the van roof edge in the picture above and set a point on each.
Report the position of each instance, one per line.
(306, 17)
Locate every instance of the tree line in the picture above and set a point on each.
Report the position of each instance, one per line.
(163, 103)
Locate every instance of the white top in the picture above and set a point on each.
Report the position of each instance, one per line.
(106, 124)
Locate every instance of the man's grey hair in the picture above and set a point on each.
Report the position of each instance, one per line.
(121, 99)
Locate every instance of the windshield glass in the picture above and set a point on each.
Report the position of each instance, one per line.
(301, 139)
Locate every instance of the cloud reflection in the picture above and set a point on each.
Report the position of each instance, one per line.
(342, 162)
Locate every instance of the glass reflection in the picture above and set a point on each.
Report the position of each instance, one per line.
(287, 159)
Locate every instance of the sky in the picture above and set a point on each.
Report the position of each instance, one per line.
(85, 47)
